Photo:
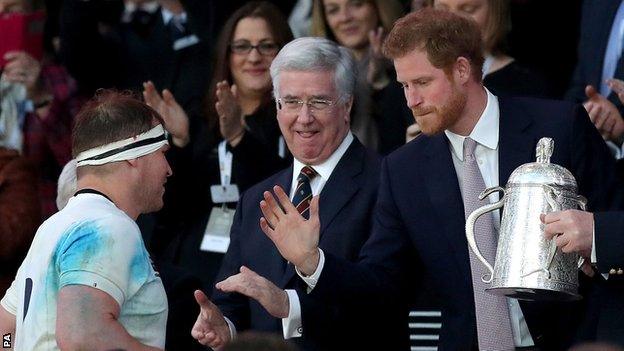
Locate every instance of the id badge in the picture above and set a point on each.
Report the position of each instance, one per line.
(224, 193)
(217, 233)
(185, 42)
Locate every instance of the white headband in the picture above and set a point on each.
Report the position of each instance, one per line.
(122, 150)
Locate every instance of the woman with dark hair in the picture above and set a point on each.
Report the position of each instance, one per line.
(379, 115)
(238, 145)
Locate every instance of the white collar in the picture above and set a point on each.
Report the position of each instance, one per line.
(326, 168)
(130, 7)
(485, 132)
(168, 15)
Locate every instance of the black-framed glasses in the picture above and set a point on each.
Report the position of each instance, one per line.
(264, 48)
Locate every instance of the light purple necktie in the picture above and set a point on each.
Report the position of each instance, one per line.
(492, 312)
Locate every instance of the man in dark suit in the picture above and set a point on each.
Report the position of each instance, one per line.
(471, 140)
(122, 44)
(600, 59)
(598, 236)
(313, 80)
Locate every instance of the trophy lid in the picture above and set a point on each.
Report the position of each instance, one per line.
(542, 171)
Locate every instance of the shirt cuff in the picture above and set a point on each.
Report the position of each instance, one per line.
(593, 252)
(616, 151)
(231, 326)
(291, 325)
(95, 281)
(594, 256)
(313, 279)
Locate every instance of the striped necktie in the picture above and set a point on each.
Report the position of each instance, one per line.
(303, 193)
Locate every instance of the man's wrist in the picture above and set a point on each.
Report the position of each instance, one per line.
(309, 265)
(285, 305)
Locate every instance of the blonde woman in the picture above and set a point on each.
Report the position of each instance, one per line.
(502, 75)
(359, 25)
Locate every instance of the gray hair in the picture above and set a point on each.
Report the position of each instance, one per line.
(67, 184)
(316, 54)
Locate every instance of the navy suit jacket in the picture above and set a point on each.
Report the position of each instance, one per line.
(596, 22)
(419, 221)
(346, 205)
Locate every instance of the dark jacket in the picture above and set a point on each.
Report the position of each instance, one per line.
(20, 213)
(346, 204)
(418, 226)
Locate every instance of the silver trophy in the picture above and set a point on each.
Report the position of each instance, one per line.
(528, 266)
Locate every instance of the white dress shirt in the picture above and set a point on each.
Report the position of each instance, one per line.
(613, 51)
(485, 133)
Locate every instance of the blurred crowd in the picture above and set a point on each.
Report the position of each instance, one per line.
(204, 66)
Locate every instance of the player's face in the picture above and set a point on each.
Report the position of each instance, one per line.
(155, 170)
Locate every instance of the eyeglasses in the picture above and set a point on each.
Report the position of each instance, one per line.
(244, 48)
(295, 105)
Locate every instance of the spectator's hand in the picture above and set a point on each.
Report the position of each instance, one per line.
(210, 329)
(604, 115)
(231, 122)
(376, 75)
(572, 230)
(412, 132)
(23, 68)
(295, 238)
(249, 283)
(176, 120)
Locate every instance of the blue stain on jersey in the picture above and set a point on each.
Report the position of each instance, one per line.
(81, 244)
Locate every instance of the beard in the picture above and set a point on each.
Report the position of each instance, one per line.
(434, 120)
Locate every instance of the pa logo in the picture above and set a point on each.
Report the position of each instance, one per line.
(6, 341)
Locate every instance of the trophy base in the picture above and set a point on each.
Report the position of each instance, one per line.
(534, 294)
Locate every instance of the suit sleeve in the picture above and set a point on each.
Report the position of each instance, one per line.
(609, 235)
(386, 259)
(234, 306)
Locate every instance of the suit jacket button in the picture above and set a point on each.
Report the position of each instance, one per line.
(300, 330)
(612, 271)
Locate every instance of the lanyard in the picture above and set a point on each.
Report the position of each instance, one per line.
(225, 164)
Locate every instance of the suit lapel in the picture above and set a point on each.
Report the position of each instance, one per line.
(341, 186)
(516, 145)
(445, 197)
(339, 189)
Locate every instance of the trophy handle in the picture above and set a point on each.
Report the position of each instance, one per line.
(551, 199)
(472, 219)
